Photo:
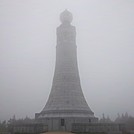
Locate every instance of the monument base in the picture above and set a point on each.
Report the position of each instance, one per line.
(63, 123)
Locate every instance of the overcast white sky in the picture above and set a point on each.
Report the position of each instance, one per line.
(105, 45)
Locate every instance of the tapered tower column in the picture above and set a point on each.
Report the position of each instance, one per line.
(66, 100)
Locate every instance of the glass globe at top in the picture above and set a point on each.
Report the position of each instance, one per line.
(66, 17)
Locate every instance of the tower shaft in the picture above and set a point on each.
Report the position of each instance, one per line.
(66, 94)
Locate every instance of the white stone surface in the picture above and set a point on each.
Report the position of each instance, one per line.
(66, 99)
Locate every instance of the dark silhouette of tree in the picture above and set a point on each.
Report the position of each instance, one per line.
(127, 120)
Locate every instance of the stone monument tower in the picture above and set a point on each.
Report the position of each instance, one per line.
(66, 104)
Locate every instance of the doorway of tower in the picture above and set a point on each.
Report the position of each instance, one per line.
(62, 124)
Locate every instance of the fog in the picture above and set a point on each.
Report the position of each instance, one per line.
(105, 52)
